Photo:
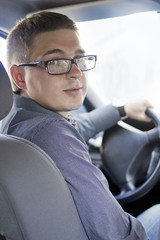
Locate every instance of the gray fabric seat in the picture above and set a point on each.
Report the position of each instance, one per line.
(35, 202)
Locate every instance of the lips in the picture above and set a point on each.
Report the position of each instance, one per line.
(73, 91)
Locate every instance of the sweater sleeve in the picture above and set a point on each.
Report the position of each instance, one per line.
(90, 124)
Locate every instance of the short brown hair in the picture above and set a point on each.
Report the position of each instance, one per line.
(20, 38)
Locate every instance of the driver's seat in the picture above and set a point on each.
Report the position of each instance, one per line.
(35, 202)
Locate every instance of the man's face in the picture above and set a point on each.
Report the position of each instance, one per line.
(61, 93)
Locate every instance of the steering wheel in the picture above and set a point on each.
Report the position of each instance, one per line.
(131, 158)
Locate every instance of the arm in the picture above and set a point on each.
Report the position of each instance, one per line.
(103, 118)
(89, 124)
(102, 216)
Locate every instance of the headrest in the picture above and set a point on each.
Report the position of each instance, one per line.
(6, 94)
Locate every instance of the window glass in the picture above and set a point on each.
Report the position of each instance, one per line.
(3, 51)
(128, 52)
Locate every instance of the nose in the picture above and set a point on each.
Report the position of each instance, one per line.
(75, 72)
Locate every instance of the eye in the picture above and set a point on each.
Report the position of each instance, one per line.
(52, 63)
(82, 62)
(58, 63)
(62, 63)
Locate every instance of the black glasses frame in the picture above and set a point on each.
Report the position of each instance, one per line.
(72, 61)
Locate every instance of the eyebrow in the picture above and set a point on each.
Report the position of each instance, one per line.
(78, 51)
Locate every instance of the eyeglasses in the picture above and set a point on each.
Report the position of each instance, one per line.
(62, 65)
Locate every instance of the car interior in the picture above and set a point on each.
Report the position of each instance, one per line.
(34, 198)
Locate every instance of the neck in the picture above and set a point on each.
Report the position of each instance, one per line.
(64, 114)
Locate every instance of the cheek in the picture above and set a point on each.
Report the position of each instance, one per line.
(34, 83)
(53, 83)
(40, 81)
(85, 80)
(30, 79)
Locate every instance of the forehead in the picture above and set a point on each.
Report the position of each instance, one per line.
(66, 40)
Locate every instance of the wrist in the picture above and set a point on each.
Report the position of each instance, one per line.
(121, 111)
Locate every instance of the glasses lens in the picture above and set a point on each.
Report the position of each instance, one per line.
(58, 66)
(62, 66)
(86, 63)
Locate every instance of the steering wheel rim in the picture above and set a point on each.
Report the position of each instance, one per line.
(145, 145)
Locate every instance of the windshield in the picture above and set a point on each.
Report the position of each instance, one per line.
(128, 49)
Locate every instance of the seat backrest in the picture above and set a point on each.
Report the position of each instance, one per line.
(6, 95)
(35, 202)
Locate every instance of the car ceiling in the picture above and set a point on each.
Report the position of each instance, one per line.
(79, 10)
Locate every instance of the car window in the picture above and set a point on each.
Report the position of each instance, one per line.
(128, 52)
(3, 51)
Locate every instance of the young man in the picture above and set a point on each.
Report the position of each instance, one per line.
(48, 68)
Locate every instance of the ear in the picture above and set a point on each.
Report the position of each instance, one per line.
(17, 74)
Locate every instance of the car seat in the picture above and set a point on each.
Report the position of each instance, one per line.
(35, 202)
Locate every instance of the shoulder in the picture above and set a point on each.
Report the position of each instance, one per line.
(56, 128)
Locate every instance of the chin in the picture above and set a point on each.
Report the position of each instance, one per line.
(75, 106)
(72, 109)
